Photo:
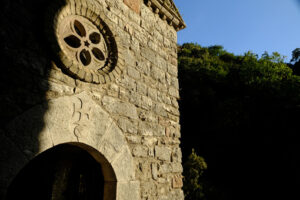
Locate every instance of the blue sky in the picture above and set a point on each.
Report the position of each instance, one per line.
(242, 25)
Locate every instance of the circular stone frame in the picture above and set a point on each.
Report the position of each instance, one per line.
(82, 60)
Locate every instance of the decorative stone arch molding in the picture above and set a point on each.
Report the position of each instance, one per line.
(80, 121)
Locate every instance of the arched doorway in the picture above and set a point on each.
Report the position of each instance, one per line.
(65, 172)
(103, 141)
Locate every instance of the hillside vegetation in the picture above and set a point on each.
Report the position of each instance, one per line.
(242, 114)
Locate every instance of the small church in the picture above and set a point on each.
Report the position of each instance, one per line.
(89, 100)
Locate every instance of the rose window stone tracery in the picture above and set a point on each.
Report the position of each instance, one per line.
(82, 41)
(84, 45)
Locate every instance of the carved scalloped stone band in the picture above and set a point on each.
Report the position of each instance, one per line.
(87, 47)
(167, 11)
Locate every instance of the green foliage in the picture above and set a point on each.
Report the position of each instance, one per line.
(194, 168)
(275, 57)
(296, 55)
(221, 83)
(296, 60)
(229, 99)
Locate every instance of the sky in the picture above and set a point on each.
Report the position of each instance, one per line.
(242, 25)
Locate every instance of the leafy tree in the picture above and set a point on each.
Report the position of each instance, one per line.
(275, 57)
(194, 168)
(242, 101)
(210, 78)
(296, 55)
(295, 61)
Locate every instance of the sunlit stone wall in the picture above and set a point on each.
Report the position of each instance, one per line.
(124, 103)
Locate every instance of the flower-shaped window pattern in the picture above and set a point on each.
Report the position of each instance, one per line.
(81, 40)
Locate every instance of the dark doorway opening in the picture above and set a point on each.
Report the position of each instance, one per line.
(65, 172)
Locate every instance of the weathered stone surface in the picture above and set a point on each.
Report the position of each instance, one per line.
(158, 74)
(128, 190)
(172, 69)
(114, 90)
(152, 93)
(135, 5)
(128, 83)
(143, 170)
(148, 116)
(159, 109)
(116, 106)
(133, 139)
(135, 98)
(115, 138)
(146, 103)
(124, 165)
(128, 119)
(163, 153)
(177, 181)
(144, 66)
(163, 198)
(71, 116)
(148, 54)
(165, 168)
(177, 167)
(60, 88)
(177, 155)
(149, 141)
(142, 88)
(140, 151)
(146, 129)
(128, 126)
(154, 170)
(177, 194)
(174, 92)
(133, 73)
(148, 189)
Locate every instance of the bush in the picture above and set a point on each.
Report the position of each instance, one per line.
(194, 168)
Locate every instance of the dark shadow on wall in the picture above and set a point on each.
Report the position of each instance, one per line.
(25, 64)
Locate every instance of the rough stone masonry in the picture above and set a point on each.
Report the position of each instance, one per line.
(98, 75)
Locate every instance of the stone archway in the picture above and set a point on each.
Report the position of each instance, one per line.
(63, 172)
(79, 120)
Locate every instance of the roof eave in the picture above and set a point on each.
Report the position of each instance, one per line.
(170, 14)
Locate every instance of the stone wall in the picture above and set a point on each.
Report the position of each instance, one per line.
(132, 118)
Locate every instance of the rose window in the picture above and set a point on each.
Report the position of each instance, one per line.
(82, 41)
(84, 45)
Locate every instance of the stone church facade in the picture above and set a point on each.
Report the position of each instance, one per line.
(89, 86)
